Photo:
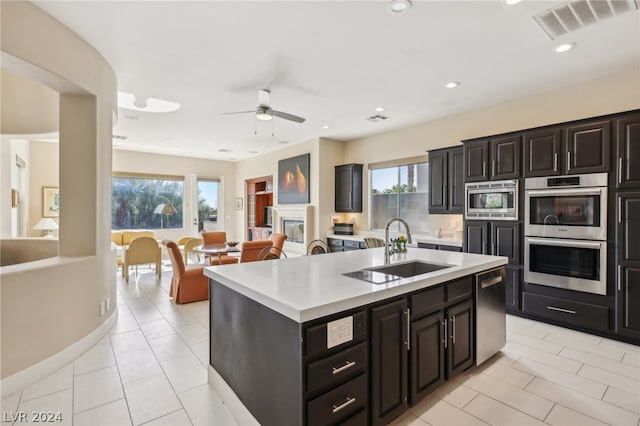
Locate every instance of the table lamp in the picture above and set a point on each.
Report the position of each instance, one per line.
(46, 225)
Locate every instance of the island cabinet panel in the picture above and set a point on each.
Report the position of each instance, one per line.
(389, 378)
(267, 345)
(460, 340)
(427, 356)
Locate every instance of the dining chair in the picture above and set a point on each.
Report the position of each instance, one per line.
(317, 247)
(372, 242)
(251, 250)
(271, 253)
(189, 248)
(141, 251)
(214, 237)
(188, 284)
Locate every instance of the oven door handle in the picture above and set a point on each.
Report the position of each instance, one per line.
(565, 191)
(564, 243)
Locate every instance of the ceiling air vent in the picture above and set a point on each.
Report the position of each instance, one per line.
(224, 150)
(376, 118)
(578, 14)
(119, 137)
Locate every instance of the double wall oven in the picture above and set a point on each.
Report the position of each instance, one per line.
(566, 231)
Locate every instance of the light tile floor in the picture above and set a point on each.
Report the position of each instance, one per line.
(151, 369)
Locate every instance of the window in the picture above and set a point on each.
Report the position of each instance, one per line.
(149, 202)
(400, 191)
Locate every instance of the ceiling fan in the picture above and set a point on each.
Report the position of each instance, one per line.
(264, 111)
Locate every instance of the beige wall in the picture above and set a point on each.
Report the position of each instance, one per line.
(50, 304)
(618, 92)
(325, 154)
(44, 162)
(190, 168)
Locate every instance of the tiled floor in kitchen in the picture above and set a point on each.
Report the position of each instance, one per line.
(151, 369)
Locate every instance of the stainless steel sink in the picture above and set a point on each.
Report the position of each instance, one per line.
(409, 269)
(387, 273)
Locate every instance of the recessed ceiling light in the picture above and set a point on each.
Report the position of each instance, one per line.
(380, 109)
(452, 84)
(326, 126)
(565, 47)
(512, 2)
(399, 6)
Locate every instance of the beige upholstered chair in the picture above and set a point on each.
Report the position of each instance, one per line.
(141, 251)
(188, 248)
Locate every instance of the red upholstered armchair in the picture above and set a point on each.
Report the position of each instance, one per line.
(189, 284)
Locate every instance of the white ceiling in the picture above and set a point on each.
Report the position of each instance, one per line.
(332, 62)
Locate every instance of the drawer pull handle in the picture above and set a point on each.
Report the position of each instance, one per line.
(453, 329)
(348, 365)
(446, 337)
(566, 311)
(491, 281)
(555, 162)
(620, 170)
(345, 404)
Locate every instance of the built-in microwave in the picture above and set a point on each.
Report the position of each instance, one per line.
(496, 200)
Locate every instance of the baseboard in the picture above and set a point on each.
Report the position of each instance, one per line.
(39, 371)
(242, 415)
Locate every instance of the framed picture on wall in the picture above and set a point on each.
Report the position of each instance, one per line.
(293, 180)
(239, 203)
(50, 201)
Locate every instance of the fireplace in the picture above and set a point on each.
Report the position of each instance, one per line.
(296, 223)
(294, 229)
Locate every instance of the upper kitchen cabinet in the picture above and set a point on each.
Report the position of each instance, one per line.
(492, 159)
(348, 189)
(574, 149)
(627, 134)
(588, 147)
(446, 180)
(542, 150)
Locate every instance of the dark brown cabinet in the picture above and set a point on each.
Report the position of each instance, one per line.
(627, 130)
(476, 237)
(542, 150)
(492, 159)
(496, 238)
(460, 338)
(579, 148)
(628, 264)
(348, 188)
(513, 279)
(427, 356)
(389, 365)
(446, 180)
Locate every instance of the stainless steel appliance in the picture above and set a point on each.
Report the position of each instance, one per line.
(574, 264)
(566, 231)
(490, 313)
(567, 207)
(496, 200)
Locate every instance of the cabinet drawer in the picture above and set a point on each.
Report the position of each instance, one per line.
(569, 311)
(427, 301)
(460, 289)
(332, 369)
(450, 248)
(334, 242)
(351, 244)
(316, 336)
(338, 404)
(359, 419)
(428, 246)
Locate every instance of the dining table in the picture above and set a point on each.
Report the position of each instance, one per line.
(217, 249)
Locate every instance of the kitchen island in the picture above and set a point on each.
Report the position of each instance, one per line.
(301, 343)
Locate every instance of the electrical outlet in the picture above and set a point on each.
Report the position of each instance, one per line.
(103, 308)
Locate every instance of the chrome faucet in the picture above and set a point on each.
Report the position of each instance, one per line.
(387, 259)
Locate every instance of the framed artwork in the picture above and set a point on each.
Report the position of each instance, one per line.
(239, 203)
(293, 180)
(50, 201)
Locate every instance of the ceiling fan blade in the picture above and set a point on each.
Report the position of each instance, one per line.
(264, 97)
(238, 112)
(288, 116)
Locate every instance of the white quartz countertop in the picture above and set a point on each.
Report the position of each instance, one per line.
(309, 287)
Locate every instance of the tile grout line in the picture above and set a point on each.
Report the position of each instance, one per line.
(124, 394)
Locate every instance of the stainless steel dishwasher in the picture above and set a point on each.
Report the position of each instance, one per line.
(490, 314)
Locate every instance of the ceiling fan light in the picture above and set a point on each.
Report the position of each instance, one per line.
(264, 114)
